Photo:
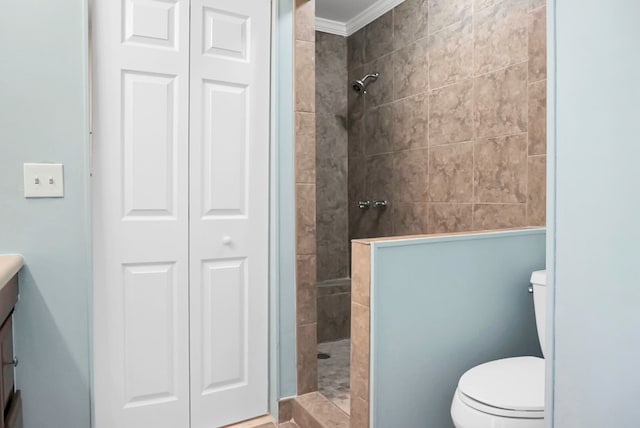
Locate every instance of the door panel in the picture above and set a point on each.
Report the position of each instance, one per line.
(230, 44)
(140, 208)
(224, 165)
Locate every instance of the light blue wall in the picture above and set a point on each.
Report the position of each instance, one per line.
(441, 306)
(284, 240)
(597, 213)
(44, 118)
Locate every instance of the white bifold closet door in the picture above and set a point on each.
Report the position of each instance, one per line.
(180, 211)
(229, 209)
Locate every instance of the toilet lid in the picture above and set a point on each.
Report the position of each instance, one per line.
(512, 383)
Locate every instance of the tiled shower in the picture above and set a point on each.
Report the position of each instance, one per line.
(451, 135)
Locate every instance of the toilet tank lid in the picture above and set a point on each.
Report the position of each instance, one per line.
(539, 277)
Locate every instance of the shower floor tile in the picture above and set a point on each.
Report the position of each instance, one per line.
(333, 373)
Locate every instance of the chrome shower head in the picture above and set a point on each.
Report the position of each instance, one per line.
(360, 85)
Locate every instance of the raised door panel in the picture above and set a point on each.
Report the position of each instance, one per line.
(230, 45)
(140, 213)
(224, 146)
(149, 340)
(225, 312)
(149, 144)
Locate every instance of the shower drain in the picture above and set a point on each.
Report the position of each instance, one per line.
(323, 356)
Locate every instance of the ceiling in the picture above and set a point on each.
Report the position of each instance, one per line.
(341, 10)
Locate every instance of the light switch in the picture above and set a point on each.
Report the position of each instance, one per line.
(43, 180)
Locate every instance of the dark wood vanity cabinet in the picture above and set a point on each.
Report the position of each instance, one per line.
(10, 399)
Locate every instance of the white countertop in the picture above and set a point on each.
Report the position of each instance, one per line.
(10, 264)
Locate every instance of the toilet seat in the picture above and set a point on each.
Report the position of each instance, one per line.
(496, 411)
(512, 387)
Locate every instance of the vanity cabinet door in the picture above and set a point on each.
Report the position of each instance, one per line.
(6, 350)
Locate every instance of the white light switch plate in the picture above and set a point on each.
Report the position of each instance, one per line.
(43, 180)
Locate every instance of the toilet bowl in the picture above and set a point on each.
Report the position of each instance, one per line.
(507, 393)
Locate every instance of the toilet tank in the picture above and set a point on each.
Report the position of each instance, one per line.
(539, 283)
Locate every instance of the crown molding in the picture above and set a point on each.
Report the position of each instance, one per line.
(330, 26)
(370, 14)
(359, 21)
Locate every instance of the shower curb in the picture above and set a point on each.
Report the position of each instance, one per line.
(313, 410)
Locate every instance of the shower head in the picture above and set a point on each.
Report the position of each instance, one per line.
(360, 85)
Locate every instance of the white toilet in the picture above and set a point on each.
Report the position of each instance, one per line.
(506, 393)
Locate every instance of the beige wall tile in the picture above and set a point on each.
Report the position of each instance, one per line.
(331, 137)
(378, 130)
(305, 219)
(306, 289)
(360, 273)
(305, 137)
(451, 54)
(409, 22)
(355, 49)
(334, 317)
(333, 230)
(501, 169)
(538, 44)
(536, 207)
(500, 36)
(538, 118)
(446, 218)
(499, 216)
(451, 173)
(359, 413)
(305, 71)
(378, 37)
(356, 176)
(285, 410)
(482, 4)
(501, 102)
(380, 91)
(379, 170)
(410, 70)
(307, 346)
(410, 123)
(360, 351)
(534, 4)
(305, 20)
(451, 114)
(355, 116)
(409, 176)
(409, 218)
(443, 13)
(331, 74)
(372, 223)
